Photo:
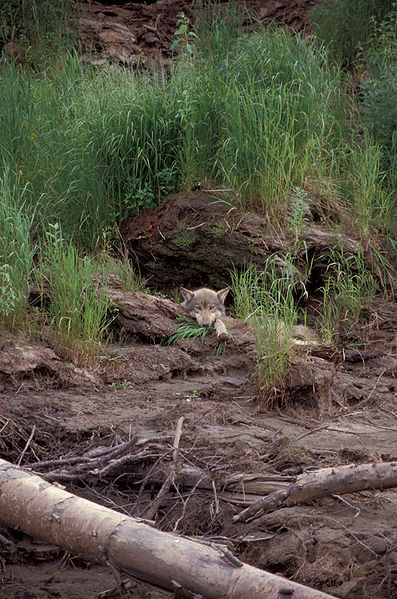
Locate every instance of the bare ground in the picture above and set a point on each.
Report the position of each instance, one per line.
(336, 412)
(140, 34)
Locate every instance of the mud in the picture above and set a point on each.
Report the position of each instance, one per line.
(336, 412)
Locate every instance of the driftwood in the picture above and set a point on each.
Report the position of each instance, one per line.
(104, 462)
(171, 474)
(145, 314)
(39, 509)
(238, 488)
(324, 483)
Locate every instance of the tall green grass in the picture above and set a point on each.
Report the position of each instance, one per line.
(372, 200)
(263, 115)
(77, 308)
(349, 289)
(39, 28)
(266, 300)
(379, 92)
(345, 25)
(16, 254)
(90, 147)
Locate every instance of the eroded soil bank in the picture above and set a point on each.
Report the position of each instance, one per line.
(339, 409)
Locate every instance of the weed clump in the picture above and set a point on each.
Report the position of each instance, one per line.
(265, 299)
(78, 306)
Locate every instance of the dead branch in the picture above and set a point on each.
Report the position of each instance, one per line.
(28, 442)
(324, 483)
(96, 533)
(153, 509)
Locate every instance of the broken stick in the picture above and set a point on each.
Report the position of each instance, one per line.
(324, 483)
(153, 509)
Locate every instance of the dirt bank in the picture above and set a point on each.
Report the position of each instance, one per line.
(338, 411)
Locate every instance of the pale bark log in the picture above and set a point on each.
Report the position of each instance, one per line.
(39, 509)
(324, 483)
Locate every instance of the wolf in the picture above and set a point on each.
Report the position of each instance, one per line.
(207, 307)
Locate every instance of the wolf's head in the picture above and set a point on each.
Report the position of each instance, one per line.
(204, 304)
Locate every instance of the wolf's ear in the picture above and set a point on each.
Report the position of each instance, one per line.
(187, 294)
(222, 294)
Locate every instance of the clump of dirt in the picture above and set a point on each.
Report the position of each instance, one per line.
(195, 239)
(138, 34)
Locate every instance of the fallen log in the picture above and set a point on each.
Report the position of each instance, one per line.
(324, 483)
(30, 504)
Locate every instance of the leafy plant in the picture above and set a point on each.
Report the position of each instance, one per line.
(184, 37)
(299, 212)
(194, 396)
(124, 385)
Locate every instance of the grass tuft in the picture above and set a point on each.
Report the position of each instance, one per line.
(348, 292)
(188, 329)
(266, 300)
(78, 307)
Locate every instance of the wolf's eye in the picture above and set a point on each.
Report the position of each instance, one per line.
(197, 308)
(212, 308)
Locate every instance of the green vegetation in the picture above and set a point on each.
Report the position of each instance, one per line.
(90, 148)
(78, 306)
(345, 25)
(264, 114)
(16, 254)
(363, 33)
(266, 300)
(349, 290)
(131, 280)
(188, 329)
(38, 29)
(380, 92)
